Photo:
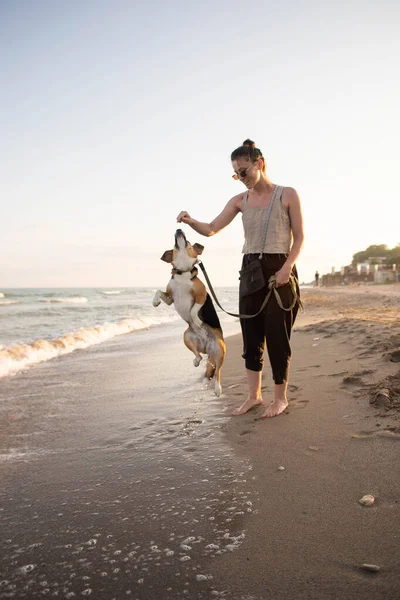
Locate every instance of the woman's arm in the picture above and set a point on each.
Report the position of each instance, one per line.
(224, 218)
(292, 201)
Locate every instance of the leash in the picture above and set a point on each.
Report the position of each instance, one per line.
(271, 290)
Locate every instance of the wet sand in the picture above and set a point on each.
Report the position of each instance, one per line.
(116, 477)
(99, 499)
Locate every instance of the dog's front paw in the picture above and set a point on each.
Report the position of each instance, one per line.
(217, 389)
(197, 361)
(156, 300)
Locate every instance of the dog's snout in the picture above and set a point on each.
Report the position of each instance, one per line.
(179, 235)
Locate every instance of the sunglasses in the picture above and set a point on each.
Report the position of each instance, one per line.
(242, 173)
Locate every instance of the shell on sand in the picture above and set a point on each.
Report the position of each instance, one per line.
(367, 500)
(372, 568)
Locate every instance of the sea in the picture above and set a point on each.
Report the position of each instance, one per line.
(39, 324)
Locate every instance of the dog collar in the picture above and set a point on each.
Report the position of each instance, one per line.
(193, 271)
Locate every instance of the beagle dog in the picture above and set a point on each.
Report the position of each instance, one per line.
(194, 305)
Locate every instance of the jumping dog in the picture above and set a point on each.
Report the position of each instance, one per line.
(194, 305)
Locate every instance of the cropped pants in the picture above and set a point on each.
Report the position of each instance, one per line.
(273, 326)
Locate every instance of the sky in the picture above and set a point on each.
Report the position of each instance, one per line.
(115, 116)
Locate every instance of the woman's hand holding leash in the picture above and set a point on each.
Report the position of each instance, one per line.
(282, 276)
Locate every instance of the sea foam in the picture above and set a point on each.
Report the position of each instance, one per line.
(73, 300)
(111, 292)
(15, 357)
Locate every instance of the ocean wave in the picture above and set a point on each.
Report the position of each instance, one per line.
(73, 300)
(110, 292)
(1, 295)
(7, 302)
(16, 357)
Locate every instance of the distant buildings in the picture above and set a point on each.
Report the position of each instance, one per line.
(373, 270)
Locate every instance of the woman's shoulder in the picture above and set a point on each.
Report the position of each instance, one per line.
(238, 200)
(289, 191)
(289, 196)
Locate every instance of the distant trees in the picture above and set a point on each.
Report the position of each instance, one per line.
(394, 256)
(389, 255)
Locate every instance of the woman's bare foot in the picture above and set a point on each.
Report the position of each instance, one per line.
(275, 408)
(247, 405)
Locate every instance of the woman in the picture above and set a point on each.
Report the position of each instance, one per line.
(283, 243)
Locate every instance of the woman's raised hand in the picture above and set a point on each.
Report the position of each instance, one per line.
(183, 217)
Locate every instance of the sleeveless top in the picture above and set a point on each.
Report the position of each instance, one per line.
(279, 233)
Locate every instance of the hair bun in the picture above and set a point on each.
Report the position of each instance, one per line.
(249, 143)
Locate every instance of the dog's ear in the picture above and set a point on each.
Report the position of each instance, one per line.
(167, 256)
(198, 248)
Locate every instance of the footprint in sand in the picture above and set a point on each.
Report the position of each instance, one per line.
(364, 372)
(386, 394)
(366, 354)
(394, 356)
(390, 433)
(294, 403)
(340, 374)
(353, 380)
(246, 432)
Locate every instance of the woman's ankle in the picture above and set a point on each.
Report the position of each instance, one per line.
(280, 391)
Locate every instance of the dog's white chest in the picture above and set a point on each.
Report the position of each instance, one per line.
(183, 298)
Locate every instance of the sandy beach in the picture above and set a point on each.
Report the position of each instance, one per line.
(338, 441)
(99, 499)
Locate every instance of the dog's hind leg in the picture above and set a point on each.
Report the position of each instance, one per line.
(190, 343)
(210, 369)
(219, 360)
